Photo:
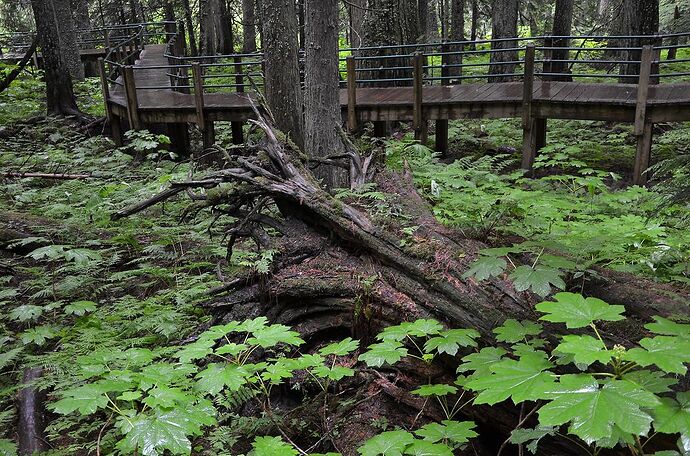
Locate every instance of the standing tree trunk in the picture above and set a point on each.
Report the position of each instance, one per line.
(562, 25)
(355, 9)
(322, 116)
(209, 26)
(475, 23)
(80, 13)
(457, 33)
(431, 29)
(226, 36)
(504, 16)
(300, 22)
(59, 92)
(279, 39)
(67, 36)
(638, 17)
(190, 27)
(248, 27)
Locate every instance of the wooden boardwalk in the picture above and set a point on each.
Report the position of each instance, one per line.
(147, 98)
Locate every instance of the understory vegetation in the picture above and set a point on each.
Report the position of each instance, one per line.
(113, 311)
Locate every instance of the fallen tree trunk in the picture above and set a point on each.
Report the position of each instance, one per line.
(345, 269)
(7, 80)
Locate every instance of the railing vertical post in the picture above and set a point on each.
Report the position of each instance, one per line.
(132, 100)
(528, 127)
(237, 132)
(548, 56)
(351, 93)
(643, 128)
(104, 87)
(417, 90)
(206, 127)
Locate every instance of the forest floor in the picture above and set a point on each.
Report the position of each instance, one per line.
(76, 283)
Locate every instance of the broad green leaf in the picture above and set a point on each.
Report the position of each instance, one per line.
(395, 333)
(165, 397)
(539, 279)
(440, 389)
(388, 351)
(458, 432)
(272, 446)
(218, 331)
(668, 327)
(514, 331)
(38, 335)
(273, 335)
(521, 380)
(673, 416)
(424, 448)
(153, 434)
(8, 448)
(576, 311)
(334, 373)
(391, 443)
(653, 381)
(80, 308)
(129, 396)
(450, 340)
(342, 348)
(531, 436)
(279, 370)
(26, 312)
(253, 325)
(482, 361)
(217, 376)
(86, 399)
(485, 267)
(164, 374)
(585, 349)
(196, 350)
(231, 349)
(82, 256)
(424, 328)
(668, 353)
(592, 411)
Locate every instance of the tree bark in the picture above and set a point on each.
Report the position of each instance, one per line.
(190, 27)
(638, 17)
(562, 25)
(248, 27)
(30, 404)
(356, 10)
(457, 33)
(504, 16)
(80, 12)
(59, 92)
(322, 116)
(226, 34)
(209, 26)
(475, 23)
(279, 35)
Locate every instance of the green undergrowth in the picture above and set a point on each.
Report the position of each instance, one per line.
(570, 219)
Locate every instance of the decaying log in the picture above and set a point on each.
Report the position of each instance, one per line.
(342, 270)
(61, 176)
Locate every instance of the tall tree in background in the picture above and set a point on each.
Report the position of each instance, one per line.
(504, 17)
(638, 17)
(355, 12)
(189, 21)
(80, 13)
(226, 35)
(59, 92)
(457, 33)
(279, 39)
(209, 26)
(248, 27)
(322, 115)
(562, 26)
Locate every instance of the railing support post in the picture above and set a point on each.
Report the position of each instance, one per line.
(418, 87)
(205, 126)
(528, 124)
(643, 128)
(237, 132)
(132, 100)
(351, 93)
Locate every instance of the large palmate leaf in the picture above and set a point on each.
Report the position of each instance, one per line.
(531, 436)
(196, 350)
(217, 376)
(272, 446)
(439, 389)
(592, 410)
(585, 349)
(485, 267)
(26, 312)
(522, 380)
(668, 353)
(425, 448)
(417, 328)
(342, 348)
(86, 399)
(391, 443)
(272, 335)
(539, 279)
(80, 308)
(514, 331)
(457, 432)
(673, 416)
(668, 327)
(388, 351)
(576, 311)
(482, 361)
(449, 341)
